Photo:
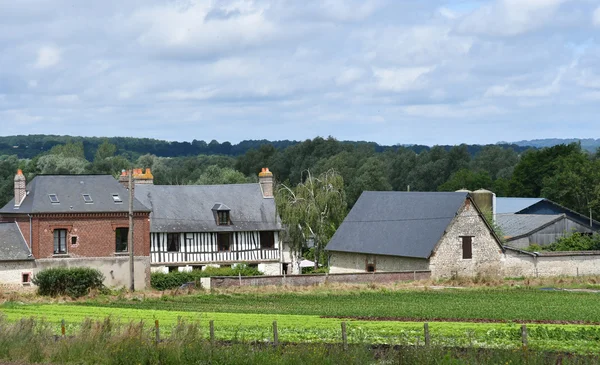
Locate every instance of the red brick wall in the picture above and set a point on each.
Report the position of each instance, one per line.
(95, 234)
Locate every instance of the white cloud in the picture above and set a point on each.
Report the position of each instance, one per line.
(596, 17)
(400, 79)
(349, 75)
(510, 17)
(47, 56)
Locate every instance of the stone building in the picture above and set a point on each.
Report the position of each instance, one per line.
(445, 233)
(80, 220)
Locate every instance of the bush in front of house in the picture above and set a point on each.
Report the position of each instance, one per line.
(175, 279)
(74, 282)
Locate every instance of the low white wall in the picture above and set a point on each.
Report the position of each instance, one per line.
(115, 269)
(272, 268)
(576, 264)
(345, 262)
(11, 272)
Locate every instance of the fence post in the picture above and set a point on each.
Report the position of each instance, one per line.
(157, 331)
(427, 337)
(212, 330)
(524, 335)
(62, 328)
(275, 334)
(344, 336)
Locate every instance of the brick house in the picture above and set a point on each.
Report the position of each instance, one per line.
(81, 220)
(444, 233)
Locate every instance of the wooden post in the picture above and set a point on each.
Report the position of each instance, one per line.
(212, 330)
(62, 328)
(157, 331)
(275, 334)
(344, 336)
(524, 335)
(427, 337)
(130, 244)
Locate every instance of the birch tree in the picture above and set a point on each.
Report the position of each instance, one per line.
(312, 209)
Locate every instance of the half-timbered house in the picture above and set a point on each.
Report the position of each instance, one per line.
(194, 226)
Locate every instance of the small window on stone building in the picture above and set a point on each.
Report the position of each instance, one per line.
(467, 247)
(121, 235)
(172, 242)
(73, 240)
(370, 267)
(267, 240)
(370, 264)
(26, 278)
(223, 241)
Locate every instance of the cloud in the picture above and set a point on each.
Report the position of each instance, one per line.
(400, 79)
(596, 17)
(47, 56)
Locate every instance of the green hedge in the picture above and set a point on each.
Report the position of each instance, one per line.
(74, 282)
(175, 279)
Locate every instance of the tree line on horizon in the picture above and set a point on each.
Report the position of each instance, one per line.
(566, 174)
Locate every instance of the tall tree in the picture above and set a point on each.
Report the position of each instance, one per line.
(312, 209)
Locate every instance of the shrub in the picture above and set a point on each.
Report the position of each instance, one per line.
(311, 270)
(172, 280)
(576, 242)
(74, 282)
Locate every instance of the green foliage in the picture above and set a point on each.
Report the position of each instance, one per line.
(576, 242)
(214, 175)
(467, 179)
(69, 150)
(175, 279)
(313, 209)
(104, 151)
(312, 270)
(74, 282)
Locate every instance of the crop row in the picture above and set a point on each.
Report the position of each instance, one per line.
(310, 328)
(506, 305)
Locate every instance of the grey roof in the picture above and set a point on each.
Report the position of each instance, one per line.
(189, 208)
(69, 190)
(397, 223)
(12, 243)
(513, 205)
(516, 225)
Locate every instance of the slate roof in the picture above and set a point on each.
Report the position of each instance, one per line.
(12, 243)
(69, 190)
(189, 208)
(516, 225)
(514, 205)
(406, 224)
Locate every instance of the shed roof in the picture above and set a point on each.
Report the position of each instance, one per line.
(518, 225)
(12, 244)
(514, 205)
(190, 208)
(406, 224)
(69, 190)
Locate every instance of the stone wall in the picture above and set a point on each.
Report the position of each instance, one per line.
(551, 264)
(115, 269)
(11, 272)
(345, 262)
(315, 279)
(487, 256)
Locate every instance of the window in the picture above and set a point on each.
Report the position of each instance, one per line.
(53, 198)
(370, 264)
(73, 240)
(370, 267)
(117, 198)
(267, 240)
(60, 241)
(223, 216)
(172, 242)
(26, 278)
(223, 241)
(87, 198)
(467, 247)
(121, 235)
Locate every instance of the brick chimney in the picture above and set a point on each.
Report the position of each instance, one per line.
(265, 179)
(139, 177)
(20, 188)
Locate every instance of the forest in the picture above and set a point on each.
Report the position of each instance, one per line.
(567, 174)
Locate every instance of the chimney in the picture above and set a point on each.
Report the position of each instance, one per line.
(20, 188)
(265, 179)
(124, 178)
(139, 177)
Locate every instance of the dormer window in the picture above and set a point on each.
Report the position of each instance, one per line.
(223, 217)
(221, 212)
(53, 198)
(117, 198)
(87, 198)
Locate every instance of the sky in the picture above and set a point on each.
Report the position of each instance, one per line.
(389, 71)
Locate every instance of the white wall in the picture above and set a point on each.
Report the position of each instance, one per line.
(518, 264)
(346, 262)
(273, 268)
(11, 272)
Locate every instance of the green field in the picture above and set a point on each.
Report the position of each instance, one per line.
(505, 305)
(249, 317)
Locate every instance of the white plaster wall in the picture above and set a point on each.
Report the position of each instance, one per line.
(115, 269)
(518, 264)
(11, 272)
(346, 262)
(273, 268)
(447, 260)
